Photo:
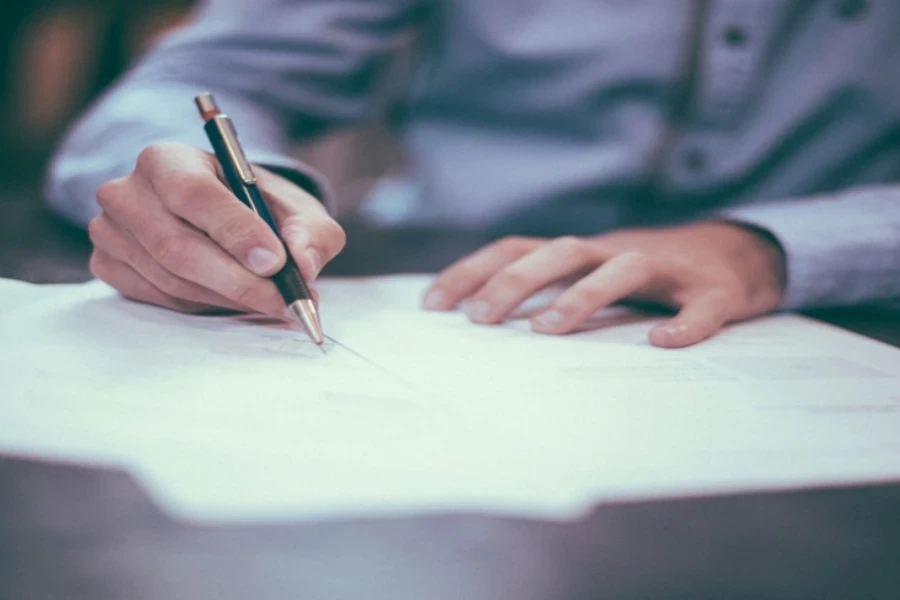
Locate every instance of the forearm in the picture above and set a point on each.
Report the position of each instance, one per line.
(282, 71)
(106, 143)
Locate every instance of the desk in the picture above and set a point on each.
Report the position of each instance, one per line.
(78, 533)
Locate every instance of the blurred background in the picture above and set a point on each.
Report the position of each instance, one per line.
(56, 57)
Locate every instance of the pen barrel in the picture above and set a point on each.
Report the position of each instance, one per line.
(232, 177)
(288, 280)
(290, 284)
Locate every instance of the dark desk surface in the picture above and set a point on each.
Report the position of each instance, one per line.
(75, 533)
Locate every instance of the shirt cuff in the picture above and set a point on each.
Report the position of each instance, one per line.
(833, 252)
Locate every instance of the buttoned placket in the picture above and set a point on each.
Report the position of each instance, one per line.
(733, 38)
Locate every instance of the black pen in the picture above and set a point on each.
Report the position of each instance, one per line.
(289, 281)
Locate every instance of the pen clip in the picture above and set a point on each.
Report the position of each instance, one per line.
(233, 147)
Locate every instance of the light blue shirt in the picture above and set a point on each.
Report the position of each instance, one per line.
(561, 116)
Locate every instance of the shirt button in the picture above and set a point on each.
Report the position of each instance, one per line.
(694, 160)
(734, 36)
(850, 9)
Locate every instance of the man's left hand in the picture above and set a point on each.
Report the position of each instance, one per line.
(713, 273)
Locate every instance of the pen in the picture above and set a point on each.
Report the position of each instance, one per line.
(289, 281)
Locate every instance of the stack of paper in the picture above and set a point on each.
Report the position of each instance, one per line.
(228, 418)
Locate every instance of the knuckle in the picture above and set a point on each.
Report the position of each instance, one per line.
(294, 230)
(110, 194)
(293, 227)
(478, 267)
(453, 277)
(97, 265)
(508, 279)
(95, 230)
(237, 230)
(326, 234)
(185, 189)
(513, 243)
(637, 262)
(571, 246)
(337, 235)
(151, 156)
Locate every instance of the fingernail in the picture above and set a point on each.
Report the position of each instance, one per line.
(550, 319)
(262, 261)
(478, 310)
(672, 331)
(434, 300)
(316, 260)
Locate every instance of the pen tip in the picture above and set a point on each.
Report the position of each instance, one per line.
(305, 312)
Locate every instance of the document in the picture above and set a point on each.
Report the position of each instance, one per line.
(239, 418)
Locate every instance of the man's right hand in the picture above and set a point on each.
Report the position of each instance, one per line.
(172, 234)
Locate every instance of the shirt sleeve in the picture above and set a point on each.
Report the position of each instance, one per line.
(841, 249)
(283, 70)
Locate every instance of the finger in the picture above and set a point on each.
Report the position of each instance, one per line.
(522, 278)
(130, 283)
(618, 278)
(311, 235)
(469, 274)
(185, 180)
(698, 320)
(188, 253)
(108, 237)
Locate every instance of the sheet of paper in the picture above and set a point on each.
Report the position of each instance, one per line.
(16, 295)
(226, 418)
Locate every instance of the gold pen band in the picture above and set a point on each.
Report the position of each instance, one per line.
(235, 152)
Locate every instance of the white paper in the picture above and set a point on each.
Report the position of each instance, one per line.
(226, 418)
(17, 295)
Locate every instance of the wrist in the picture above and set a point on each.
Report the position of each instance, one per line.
(759, 256)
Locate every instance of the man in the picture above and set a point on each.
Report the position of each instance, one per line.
(726, 158)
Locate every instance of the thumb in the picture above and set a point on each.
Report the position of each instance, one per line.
(184, 180)
(698, 320)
